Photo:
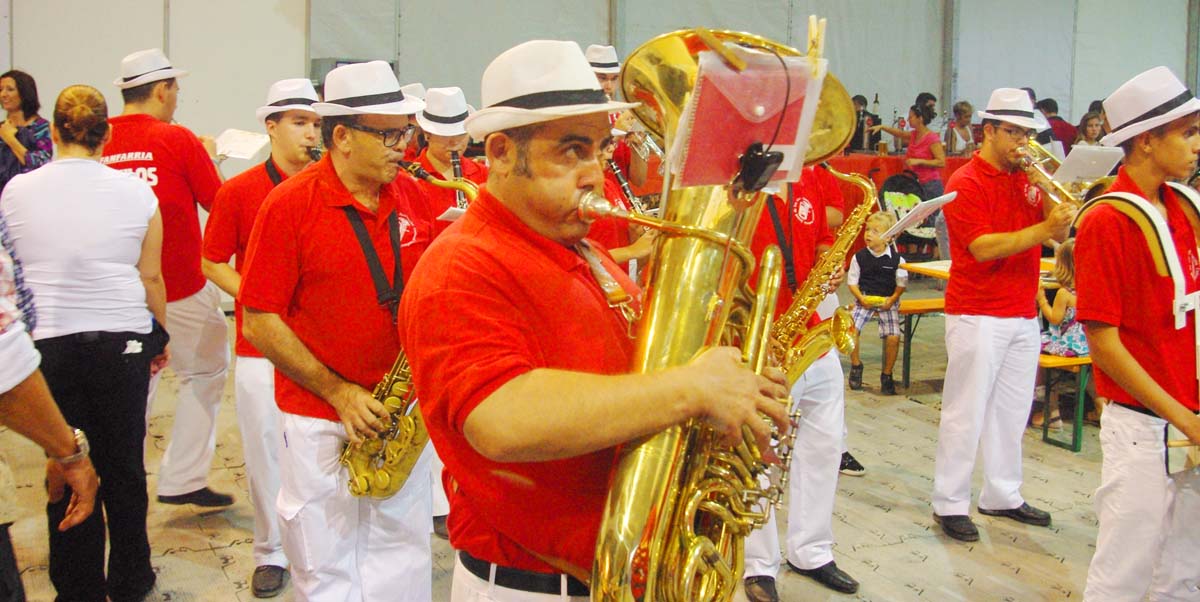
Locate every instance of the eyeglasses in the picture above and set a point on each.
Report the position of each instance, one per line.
(1016, 134)
(391, 138)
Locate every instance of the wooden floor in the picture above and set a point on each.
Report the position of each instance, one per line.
(885, 536)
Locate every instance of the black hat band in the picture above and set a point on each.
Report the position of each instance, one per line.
(133, 77)
(605, 65)
(292, 101)
(1161, 109)
(370, 99)
(440, 119)
(555, 98)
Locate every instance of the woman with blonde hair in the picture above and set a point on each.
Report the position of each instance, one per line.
(90, 238)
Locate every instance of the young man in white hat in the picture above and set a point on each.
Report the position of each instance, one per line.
(180, 169)
(520, 358)
(997, 225)
(1148, 540)
(442, 120)
(417, 142)
(331, 250)
(295, 129)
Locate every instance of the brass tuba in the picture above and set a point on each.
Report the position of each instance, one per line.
(680, 503)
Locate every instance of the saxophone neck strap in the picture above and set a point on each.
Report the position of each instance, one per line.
(388, 295)
(785, 239)
(273, 172)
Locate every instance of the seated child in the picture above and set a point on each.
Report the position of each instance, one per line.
(1065, 336)
(877, 281)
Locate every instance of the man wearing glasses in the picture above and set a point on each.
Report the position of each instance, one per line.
(327, 260)
(997, 225)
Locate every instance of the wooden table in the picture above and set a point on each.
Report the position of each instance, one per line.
(941, 269)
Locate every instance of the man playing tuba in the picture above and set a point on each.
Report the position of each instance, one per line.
(518, 333)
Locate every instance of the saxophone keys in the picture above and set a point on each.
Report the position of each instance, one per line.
(393, 403)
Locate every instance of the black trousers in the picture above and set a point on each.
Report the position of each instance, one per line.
(100, 381)
(11, 589)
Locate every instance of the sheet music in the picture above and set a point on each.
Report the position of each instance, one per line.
(240, 144)
(451, 214)
(918, 214)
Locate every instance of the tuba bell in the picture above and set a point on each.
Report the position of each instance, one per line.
(680, 502)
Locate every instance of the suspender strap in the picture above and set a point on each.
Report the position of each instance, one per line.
(387, 295)
(785, 241)
(273, 172)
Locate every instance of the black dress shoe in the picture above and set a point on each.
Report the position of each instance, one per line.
(1023, 514)
(851, 466)
(958, 526)
(439, 527)
(201, 497)
(830, 576)
(268, 581)
(760, 589)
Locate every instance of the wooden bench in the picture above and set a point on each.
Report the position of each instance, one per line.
(1082, 368)
(912, 310)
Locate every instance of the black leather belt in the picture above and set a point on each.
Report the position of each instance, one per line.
(526, 581)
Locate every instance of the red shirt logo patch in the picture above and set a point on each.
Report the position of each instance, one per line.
(406, 229)
(1032, 194)
(804, 211)
(1193, 264)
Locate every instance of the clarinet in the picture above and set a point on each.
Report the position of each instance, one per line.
(637, 203)
(456, 164)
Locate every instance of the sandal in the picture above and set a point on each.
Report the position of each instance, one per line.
(1038, 419)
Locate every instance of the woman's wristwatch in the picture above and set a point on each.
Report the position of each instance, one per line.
(81, 449)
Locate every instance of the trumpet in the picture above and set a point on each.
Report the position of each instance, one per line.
(466, 187)
(1035, 159)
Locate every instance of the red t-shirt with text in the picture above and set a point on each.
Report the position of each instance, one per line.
(172, 160)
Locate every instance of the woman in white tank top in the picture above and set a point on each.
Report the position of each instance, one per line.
(90, 238)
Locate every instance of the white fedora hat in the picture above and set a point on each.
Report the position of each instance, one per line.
(1012, 105)
(296, 94)
(145, 66)
(415, 89)
(446, 111)
(1152, 98)
(537, 81)
(603, 59)
(365, 89)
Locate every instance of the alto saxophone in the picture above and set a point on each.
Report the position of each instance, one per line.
(793, 345)
(463, 186)
(380, 467)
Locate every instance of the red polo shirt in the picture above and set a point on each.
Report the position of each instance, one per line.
(991, 201)
(1117, 285)
(227, 232)
(305, 264)
(806, 230)
(171, 159)
(441, 199)
(490, 301)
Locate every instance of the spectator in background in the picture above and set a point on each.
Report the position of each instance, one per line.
(1090, 129)
(927, 99)
(959, 138)
(862, 140)
(25, 134)
(1064, 132)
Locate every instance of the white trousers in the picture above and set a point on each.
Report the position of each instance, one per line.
(821, 397)
(466, 587)
(258, 419)
(986, 399)
(344, 548)
(441, 505)
(1149, 539)
(199, 357)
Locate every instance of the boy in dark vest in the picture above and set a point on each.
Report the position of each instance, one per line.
(877, 281)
